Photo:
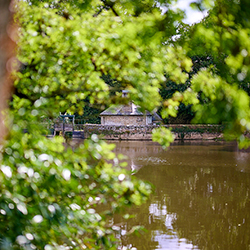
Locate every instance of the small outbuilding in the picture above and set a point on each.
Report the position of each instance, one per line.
(121, 115)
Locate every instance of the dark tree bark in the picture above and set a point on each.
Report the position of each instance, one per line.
(7, 53)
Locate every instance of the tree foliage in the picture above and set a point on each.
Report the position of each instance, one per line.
(53, 195)
(225, 86)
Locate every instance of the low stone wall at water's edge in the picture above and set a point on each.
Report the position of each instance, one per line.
(181, 132)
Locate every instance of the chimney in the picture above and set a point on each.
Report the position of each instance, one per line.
(128, 108)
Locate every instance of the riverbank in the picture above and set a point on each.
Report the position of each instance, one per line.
(181, 132)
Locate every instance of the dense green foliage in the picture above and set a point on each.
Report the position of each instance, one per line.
(50, 192)
(50, 195)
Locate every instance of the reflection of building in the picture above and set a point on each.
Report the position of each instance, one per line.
(127, 115)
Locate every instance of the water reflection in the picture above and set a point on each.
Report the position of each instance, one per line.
(201, 198)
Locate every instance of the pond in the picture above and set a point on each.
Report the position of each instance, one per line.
(201, 196)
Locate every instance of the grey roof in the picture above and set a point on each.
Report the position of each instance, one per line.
(156, 117)
(119, 110)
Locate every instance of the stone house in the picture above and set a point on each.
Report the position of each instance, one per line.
(121, 115)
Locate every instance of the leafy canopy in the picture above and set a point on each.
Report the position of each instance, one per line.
(53, 195)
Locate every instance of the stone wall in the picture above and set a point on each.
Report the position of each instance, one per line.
(135, 132)
(120, 120)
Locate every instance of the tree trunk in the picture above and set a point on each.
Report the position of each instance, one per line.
(7, 52)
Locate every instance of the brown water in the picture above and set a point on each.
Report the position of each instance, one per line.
(201, 198)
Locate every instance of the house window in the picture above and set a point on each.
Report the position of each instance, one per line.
(148, 120)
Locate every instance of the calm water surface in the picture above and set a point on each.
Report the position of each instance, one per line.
(201, 198)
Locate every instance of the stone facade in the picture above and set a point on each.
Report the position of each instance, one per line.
(123, 115)
(125, 120)
(181, 132)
